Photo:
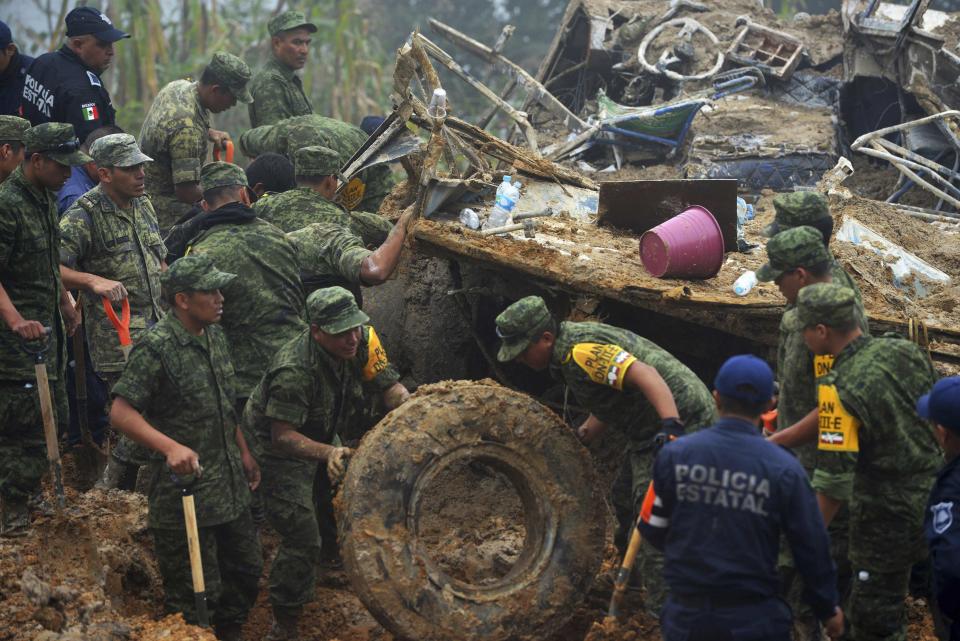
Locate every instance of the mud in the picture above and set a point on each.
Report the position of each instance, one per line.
(472, 523)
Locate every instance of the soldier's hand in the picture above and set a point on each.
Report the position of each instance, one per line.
(252, 471)
(183, 461)
(71, 318)
(395, 396)
(28, 330)
(834, 626)
(218, 138)
(113, 290)
(337, 463)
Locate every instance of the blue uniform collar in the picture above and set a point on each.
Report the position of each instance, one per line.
(949, 468)
(737, 425)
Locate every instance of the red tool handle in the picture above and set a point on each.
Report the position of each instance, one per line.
(229, 154)
(122, 324)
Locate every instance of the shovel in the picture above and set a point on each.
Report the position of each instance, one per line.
(121, 323)
(623, 574)
(193, 544)
(228, 152)
(46, 410)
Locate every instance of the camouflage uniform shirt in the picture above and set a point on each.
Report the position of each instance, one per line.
(265, 306)
(97, 237)
(174, 134)
(30, 273)
(592, 359)
(184, 386)
(296, 208)
(318, 394)
(329, 255)
(875, 383)
(277, 94)
(287, 136)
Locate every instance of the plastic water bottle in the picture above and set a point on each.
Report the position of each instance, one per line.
(438, 104)
(745, 283)
(470, 218)
(507, 196)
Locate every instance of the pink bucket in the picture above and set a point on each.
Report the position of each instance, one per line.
(689, 245)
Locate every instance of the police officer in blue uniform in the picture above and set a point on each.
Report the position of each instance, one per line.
(65, 85)
(719, 500)
(13, 71)
(942, 520)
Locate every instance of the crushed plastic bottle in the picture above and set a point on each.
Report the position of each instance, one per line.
(746, 282)
(507, 196)
(470, 218)
(438, 104)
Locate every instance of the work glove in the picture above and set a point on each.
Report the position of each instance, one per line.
(670, 430)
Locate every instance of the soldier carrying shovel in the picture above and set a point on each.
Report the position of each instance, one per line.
(176, 397)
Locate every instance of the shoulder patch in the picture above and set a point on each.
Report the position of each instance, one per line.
(94, 79)
(377, 360)
(942, 516)
(839, 429)
(605, 364)
(822, 365)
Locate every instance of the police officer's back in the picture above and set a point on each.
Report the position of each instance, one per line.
(65, 85)
(720, 499)
(942, 522)
(13, 71)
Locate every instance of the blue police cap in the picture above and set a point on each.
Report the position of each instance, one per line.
(84, 21)
(5, 36)
(942, 404)
(370, 123)
(745, 378)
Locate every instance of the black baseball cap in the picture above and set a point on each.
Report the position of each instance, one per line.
(84, 21)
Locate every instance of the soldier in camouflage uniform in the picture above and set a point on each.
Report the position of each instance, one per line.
(176, 129)
(176, 397)
(310, 202)
(317, 385)
(868, 422)
(276, 89)
(330, 254)
(110, 247)
(365, 192)
(12, 129)
(32, 297)
(797, 258)
(624, 380)
(265, 306)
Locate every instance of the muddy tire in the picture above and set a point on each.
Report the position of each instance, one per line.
(484, 425)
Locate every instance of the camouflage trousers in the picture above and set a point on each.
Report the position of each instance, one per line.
(877, 610)
(23, 452)
(232, 563)
(288, 489)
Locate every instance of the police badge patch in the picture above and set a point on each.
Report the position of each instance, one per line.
(942, 516)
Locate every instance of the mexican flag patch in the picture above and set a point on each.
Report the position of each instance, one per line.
(90, 111)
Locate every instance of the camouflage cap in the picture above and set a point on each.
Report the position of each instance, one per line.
(822, 304)
(117, 150)
(519, 324)
(798, 247)
(795, 209)
(316, 161)
(289, 20)
(221, 174)
(233, 73)
(13, 128)
(194, 273)
(334, 310)
(56, 140)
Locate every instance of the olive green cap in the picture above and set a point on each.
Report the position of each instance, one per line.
(194, 273)
(221, 174)
(519, 324)
(289, 20)
(56, 140)
(334, 310)
(797, 247)
(233, 73)
(13, 127)
(316, 161)
(822, 304)
(117, 150)
(795, 209)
